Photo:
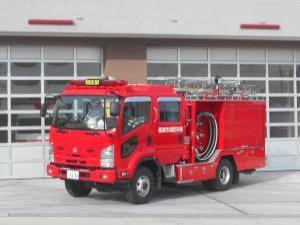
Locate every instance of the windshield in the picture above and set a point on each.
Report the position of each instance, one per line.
(84, 112)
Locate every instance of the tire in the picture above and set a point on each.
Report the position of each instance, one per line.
(78, 188)
(236, 177)
(224, 176)
(207, 185)
(141, 187)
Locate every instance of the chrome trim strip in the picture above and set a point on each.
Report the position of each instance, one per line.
(243, 148)
(80, 170)
(185, 181)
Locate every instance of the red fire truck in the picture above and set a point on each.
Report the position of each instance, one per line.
(108, 135)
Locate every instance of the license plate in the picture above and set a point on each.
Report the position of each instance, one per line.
(73, 175)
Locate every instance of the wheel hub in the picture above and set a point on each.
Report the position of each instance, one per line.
(224, 175)
(143, 186)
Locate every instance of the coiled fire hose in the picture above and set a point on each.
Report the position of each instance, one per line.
(200, 154)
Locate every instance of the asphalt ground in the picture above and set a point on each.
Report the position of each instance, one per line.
(259, 198)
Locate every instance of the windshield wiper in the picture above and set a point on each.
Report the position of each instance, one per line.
(86, 112)
(61, 127)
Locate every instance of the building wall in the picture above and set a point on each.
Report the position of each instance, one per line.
(33, 72)
(126, 59)
(205, 19)
(273, 70)
(131, 59)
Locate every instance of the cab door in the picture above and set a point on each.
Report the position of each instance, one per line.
(169, 131)
(135, 128)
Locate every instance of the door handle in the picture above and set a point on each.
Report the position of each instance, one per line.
(149, 140)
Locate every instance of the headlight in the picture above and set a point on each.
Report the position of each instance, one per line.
(51, 152)
(107, 157)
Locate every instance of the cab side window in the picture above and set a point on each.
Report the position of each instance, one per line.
(135, 114)
(169, 111)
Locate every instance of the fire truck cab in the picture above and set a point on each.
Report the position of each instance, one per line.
(108, 134)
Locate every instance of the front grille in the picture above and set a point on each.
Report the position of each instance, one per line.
(77, 162)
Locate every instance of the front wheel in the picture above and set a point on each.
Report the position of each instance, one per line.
(141, 187)
(224, 176)
(78, 188)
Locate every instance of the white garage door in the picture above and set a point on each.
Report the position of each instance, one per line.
(29, 76)
(274, 72)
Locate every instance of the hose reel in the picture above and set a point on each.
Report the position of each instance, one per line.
(204, 153)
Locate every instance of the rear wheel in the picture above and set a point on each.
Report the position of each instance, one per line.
(78, 188)
(224, 177)
(236, 177)
(141, 187)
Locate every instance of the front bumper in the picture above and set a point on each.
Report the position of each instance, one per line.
(101, 175)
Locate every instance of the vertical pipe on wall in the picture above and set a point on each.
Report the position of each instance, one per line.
(9, 108)
(295, 95)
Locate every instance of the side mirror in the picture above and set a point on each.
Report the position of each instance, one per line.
(115, 108)
(43, 110)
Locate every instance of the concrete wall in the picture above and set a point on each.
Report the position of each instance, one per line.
(219, 19)
(126, 59)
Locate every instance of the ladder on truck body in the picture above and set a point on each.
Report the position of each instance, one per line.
(213, 89)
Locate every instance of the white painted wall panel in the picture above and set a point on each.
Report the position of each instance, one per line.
(298, 55)
(167, 54)
(282, 163)
(92, 53)
(24, 170)
(58, 52)
(193, 54)
(3, 52)
(223, 54)
(25, 52)
(4, 154)
(252, 55)
(5, 170)
(298, 163)
(27, 153)
(281, 55)
(280, 147)
(46, 152)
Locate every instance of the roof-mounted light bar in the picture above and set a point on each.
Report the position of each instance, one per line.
(98, 82)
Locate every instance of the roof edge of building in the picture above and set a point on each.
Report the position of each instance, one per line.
(144, 35)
